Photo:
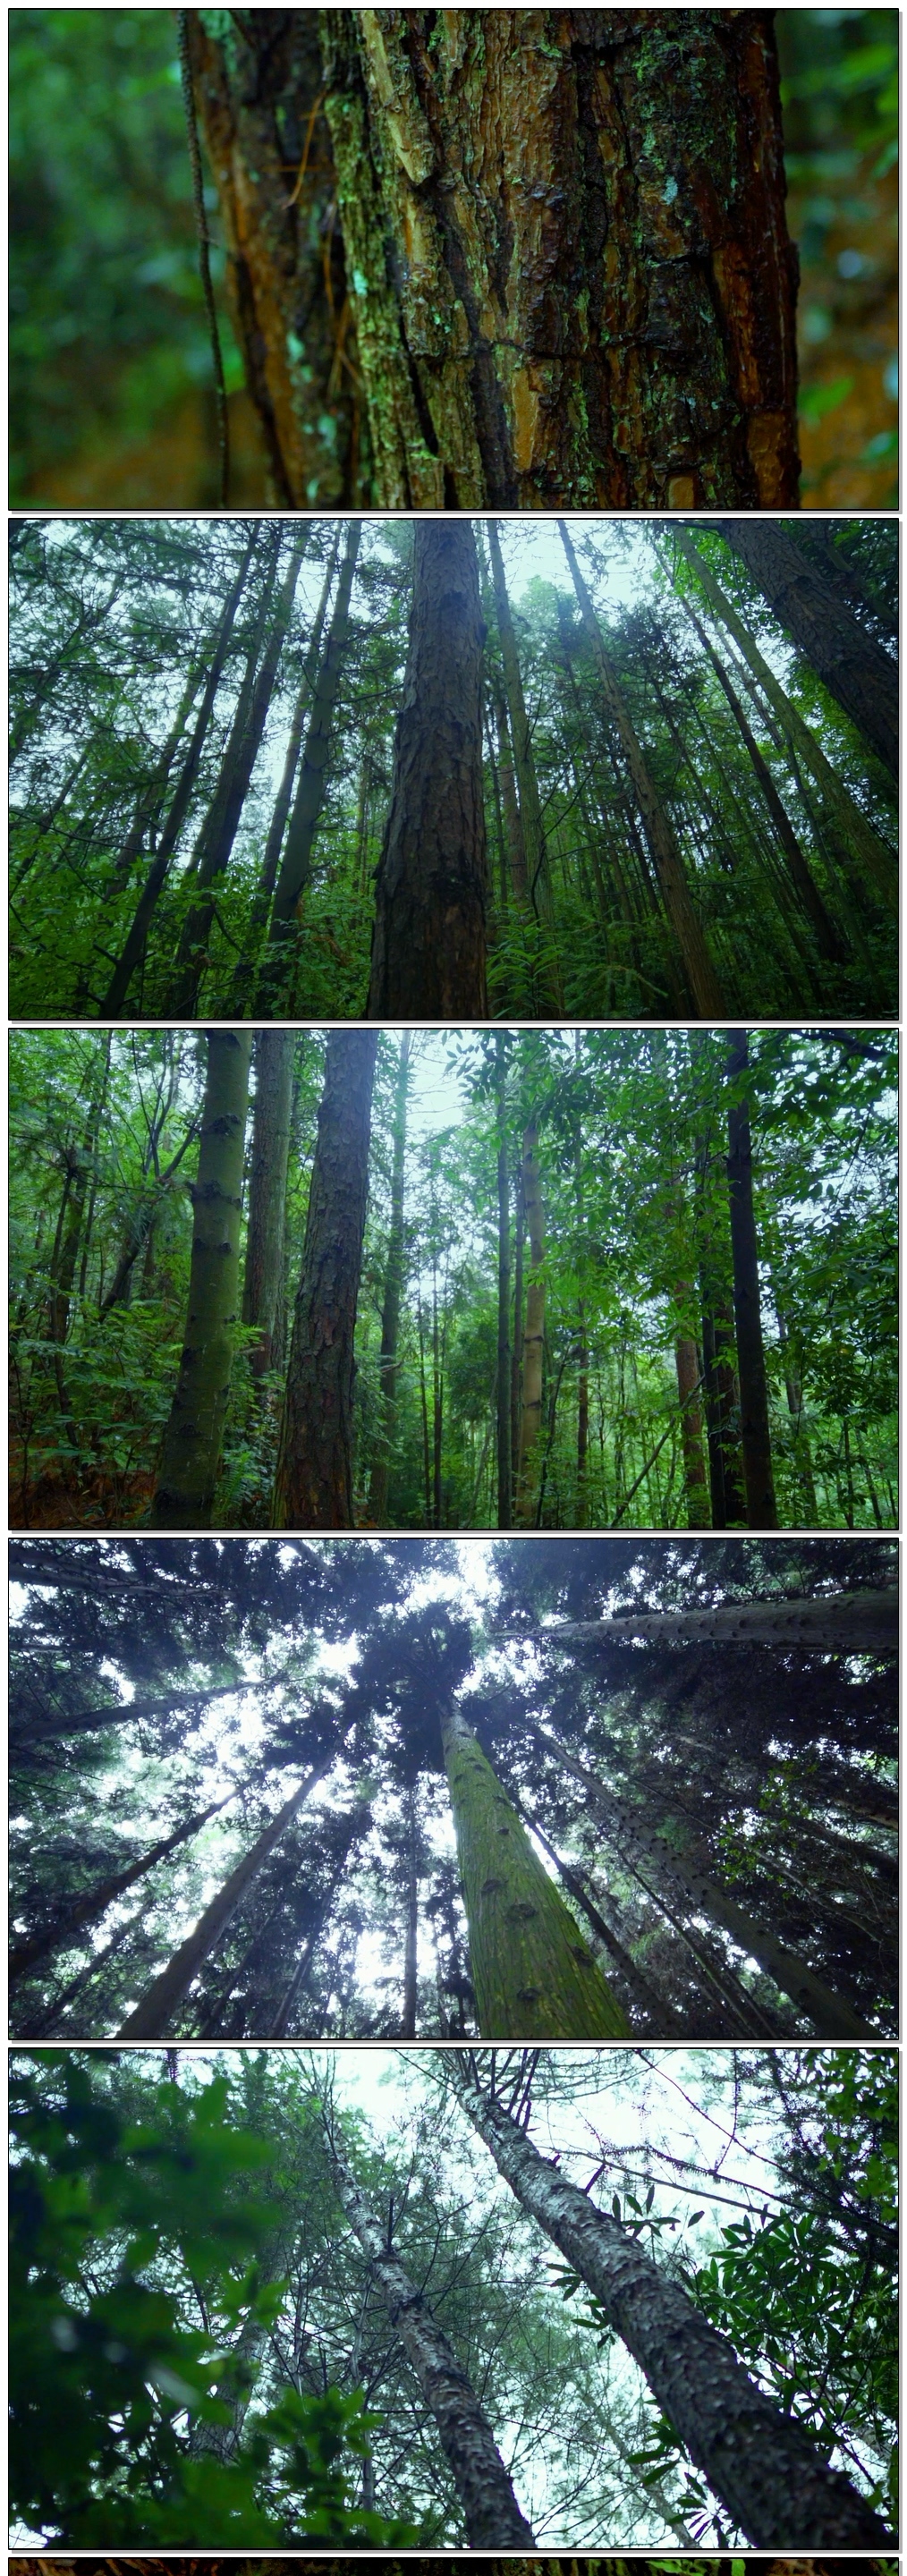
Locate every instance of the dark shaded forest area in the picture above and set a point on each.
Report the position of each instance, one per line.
(301, 770)
(562, 1279)
(432, 2299)
(406, 1788)
(112, 384)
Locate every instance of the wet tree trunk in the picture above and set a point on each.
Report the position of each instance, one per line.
(533, 1333)
(855, 670)
(184, 1495)
(533, 1974)
(564, 234)
(767, 2473)
(428, 949)
(490, 2510)
(659, 834)
(393, 1293)
(215, 842)
(276, 971)
(761, 1507)
(275, 1052)
(502, 1382)
(314, 1480)
(857, 831)
(153, 2015)
(59, 1934)
(112, 1004)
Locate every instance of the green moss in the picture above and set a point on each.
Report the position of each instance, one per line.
(534, 1975)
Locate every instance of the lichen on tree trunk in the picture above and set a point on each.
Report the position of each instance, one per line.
(534, 1976)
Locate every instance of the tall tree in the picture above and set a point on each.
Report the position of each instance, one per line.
(59, 1934)
(533, 1336)
(428, 948)
(244, 977)
(190, 1458)
(313, 1486)
(276, 972)
(393, 1293)
(859, 675)
(762, 1512)
(263, 1281)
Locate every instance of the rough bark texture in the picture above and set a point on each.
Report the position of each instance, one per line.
(767, 2473)
(275, 1051)
(761, 1507)
(184, 1496)
(564, 234)
(58, 1934)
(660, 840)
(490, 2509)
(533, 1974)
(831, 2016)
(313, 1486)
(393, 1292)
(855, 670)
(258, 89)
(834, 1623)
(428, 950)
(162, 1998)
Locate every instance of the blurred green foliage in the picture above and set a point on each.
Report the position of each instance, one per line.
(840, 100)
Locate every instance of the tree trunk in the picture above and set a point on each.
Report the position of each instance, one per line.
(761, 1508)
(152, 2016)
(565, 237)
(502, 1382)
(275, 1053)
(215, 841)
(663, 2022)
(831, 2016)
(149, 800)
(87, 1908)
(686, 1362)
(111, 1007)
(533, 1974)
(314, 1480)
(532, 829)
(81, 1165)
(246, 966)
(830, 1623)
(393, 1293)
(763, 2467)
(411, 1941)
(131, 1712)
(490, 2510)
(428, 948)
(533, 1334)
(660, 840)
(853, 668)
(190, 1458)
(859, 834)
(793, 1387)
(276, 972)
(517, 871)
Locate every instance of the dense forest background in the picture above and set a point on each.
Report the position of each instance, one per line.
(407, 1788)
(344, 2305)
(110, 360)
(672, 766)
(543, 1279)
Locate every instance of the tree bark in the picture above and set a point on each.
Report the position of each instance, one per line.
(533, 1334)
(87, 1909)
(660, 840)
(853, 668)
(275, 1052)
(428, 948)
(830, 1623)
(565, 238)
(411, 1939)
(763, 2467)
(533, 1974)
(761, 1507)
(393, 1294)
(314, 1480)
(184, 1494)
(275, 978)
(490, 2510)
(152, 2016)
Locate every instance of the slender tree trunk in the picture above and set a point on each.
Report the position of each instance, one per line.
(152, 2016)
(393, 1293)
(761, 2464)
(276, 973)
(81, 1167)
(533, 1974)
(502, 1382)
(722, 1394)
(859, 834)
(794, 1391)
(149, 800)
(831, 2016)
(532, 829)
(575, 324)
(428, 949)
(490, 2510)
(686, 1362)
(516, 1363)
(825, 1623)
(533, 1333)
(87, 1909)
(411, 1942)
(275, 1054)
(761, 1508)
(437, 1387)
(659, 834)
(246, 967)
(518, 874)
(111, 1006)
(187, 1477)
(314, 1480)
(853, 667)
(218, 833)
(132, 1712)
